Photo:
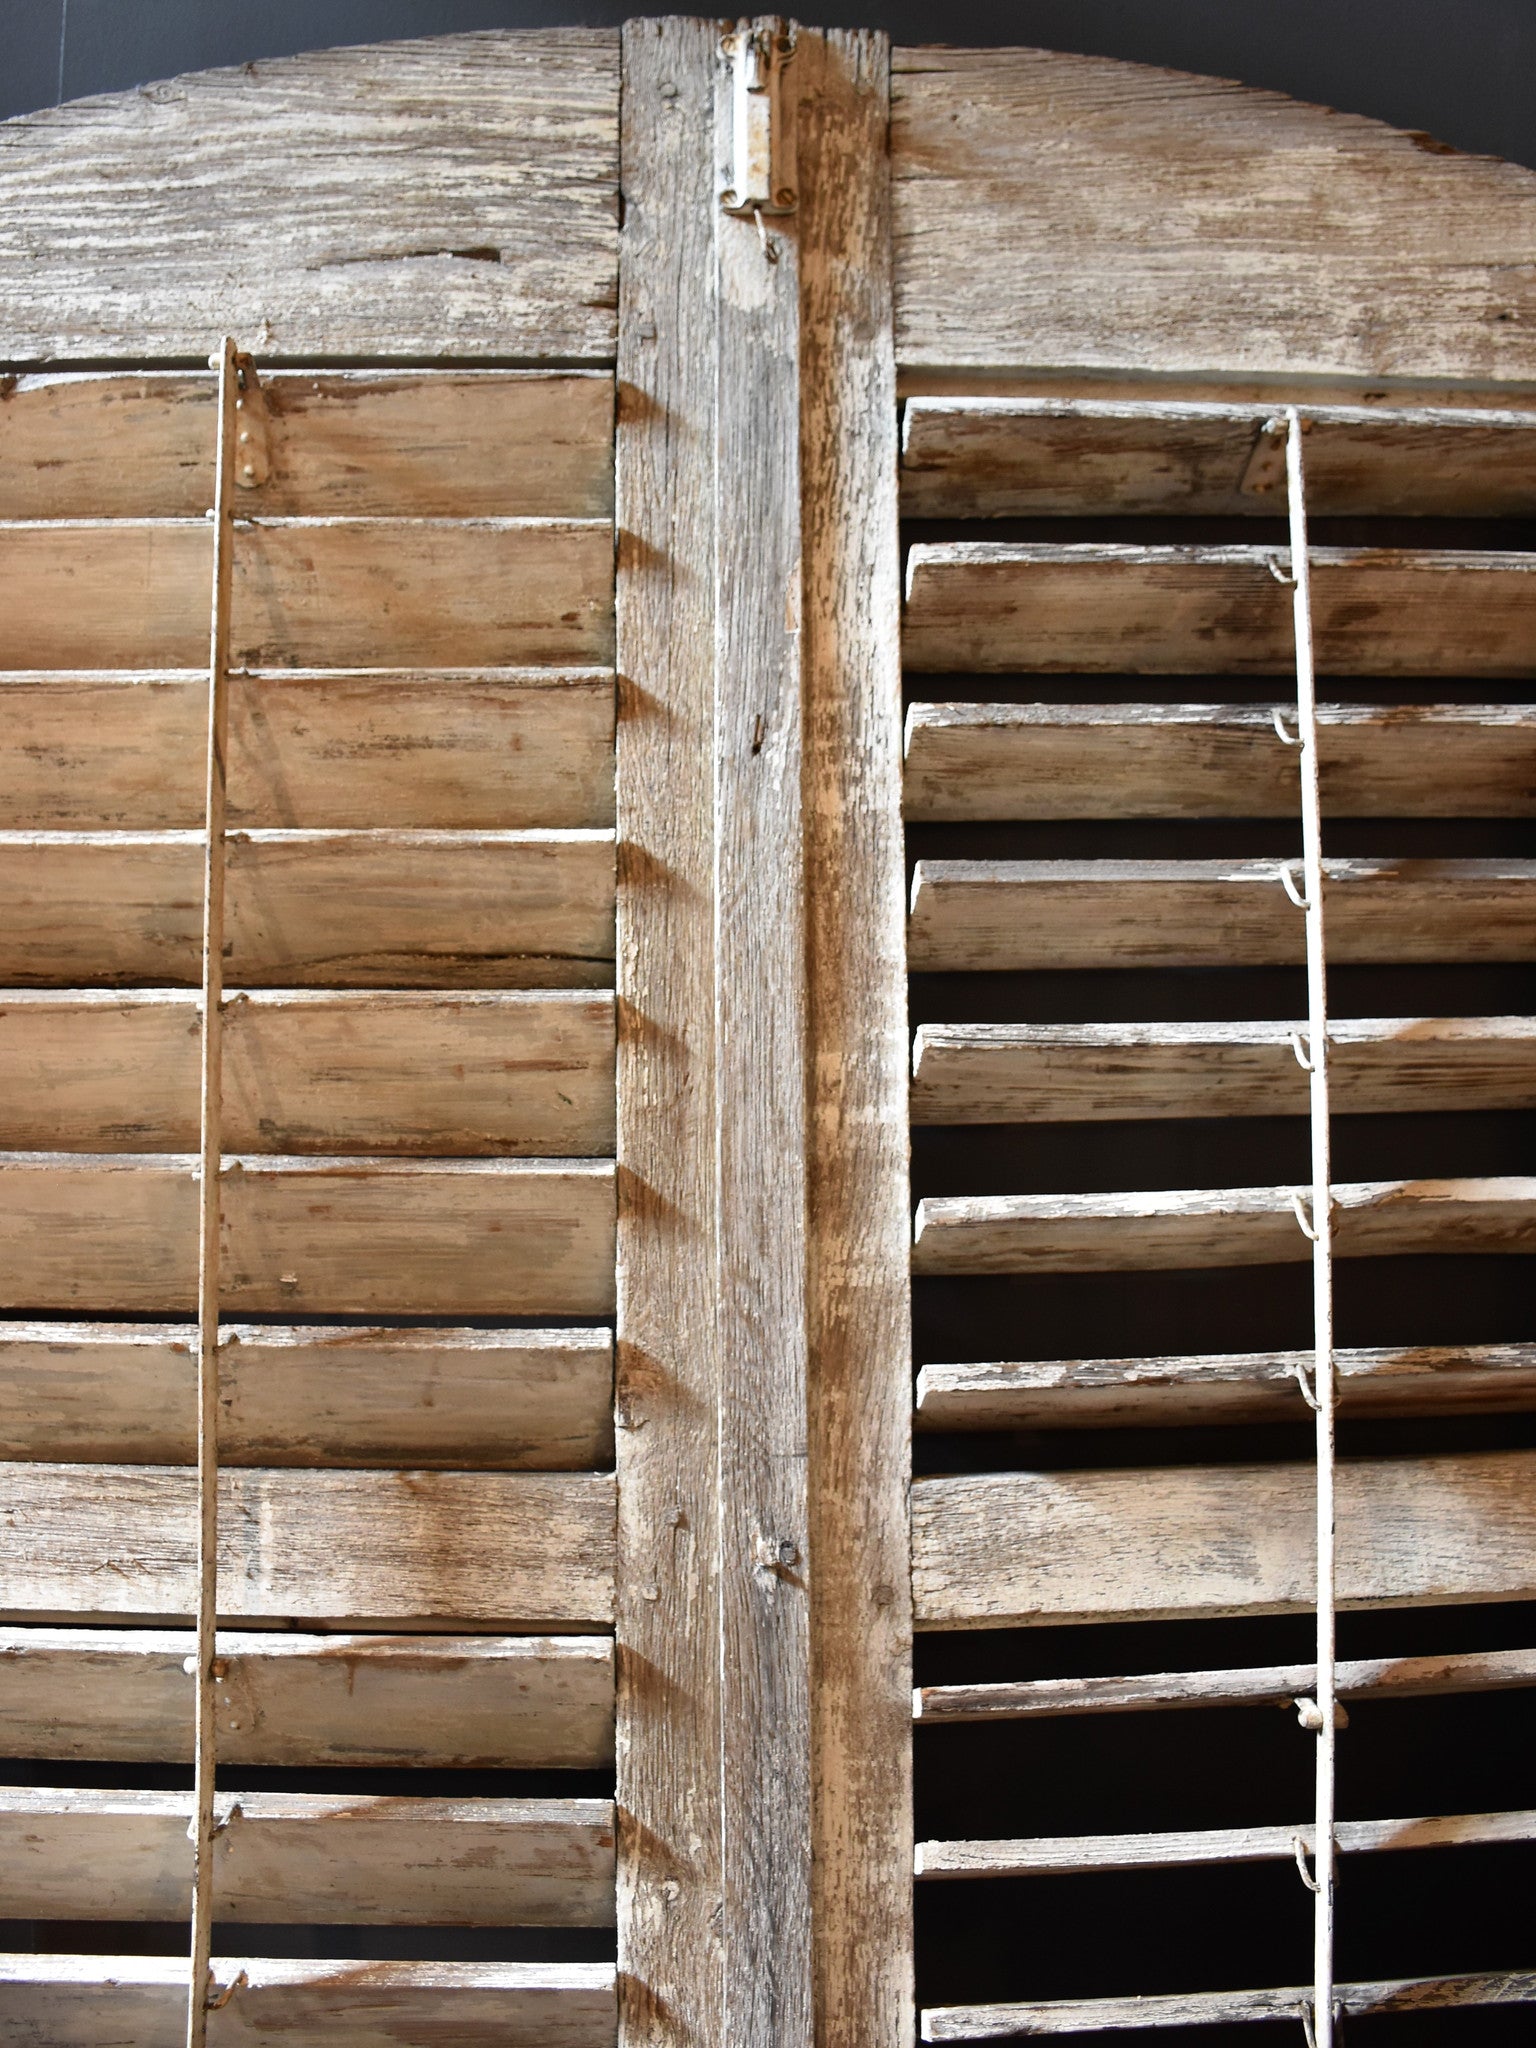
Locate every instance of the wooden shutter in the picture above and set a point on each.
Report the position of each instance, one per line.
(569, 1294)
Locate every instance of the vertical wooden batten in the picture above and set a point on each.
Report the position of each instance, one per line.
(763, 1385)
(859, 1309)
(666, 1409)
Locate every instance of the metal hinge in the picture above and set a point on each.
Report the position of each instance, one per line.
(253, 448)
(762, 135)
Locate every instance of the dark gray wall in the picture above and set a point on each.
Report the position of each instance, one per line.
(1461, 71)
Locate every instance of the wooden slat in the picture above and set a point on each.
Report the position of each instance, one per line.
(407, 199)
(350, 1549)
(1215, 2008)
(1239, 1386)
(467, 1702)
(460, 1398)
(464, 748)
(504, 1072)
(1051, 1856)
(327, 909)
(1067, 1073)
(295, 1857)
(1073, 212)
(1276, 1685)
(114, 1233)
(1213, 913)
(978, 458)
(1124, 610)
(976, 761)
(530, 444)
(310, 593)
(81, 2001)
(1185, 1227)
(1013, 1549)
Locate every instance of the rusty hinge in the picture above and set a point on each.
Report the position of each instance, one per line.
(762, 134)
(253, 448)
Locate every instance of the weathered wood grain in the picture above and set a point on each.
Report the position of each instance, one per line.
(859, 1316)
(1133, 610)
(1212, 2008)
(1184, 1227)
(109, 1234)
(1274, 1685)
(671, 1964)
(1050, 1856)
(471, 1702)
(454, 195)
(509, 1072)
(347, 1549)
(307, 909)
(1069, 1073)
(968, 761)
(1212, 913)
(294, 1857)
(309, 593)
(977, 458)
(465, 748)
(1222, 1387)
(88, 2001)
(455, 443)
(761, 1057)
(1014, 1549)
(1075, 212)
(461, 1398)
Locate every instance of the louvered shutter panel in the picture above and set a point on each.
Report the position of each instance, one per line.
(670, 643)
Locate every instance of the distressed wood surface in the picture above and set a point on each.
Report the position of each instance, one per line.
(970, 458)
(761, 1058)
(293, 1857)
(114, 1233)
(89, 2001)
(461, 1398)
(1131, 610)
(500, 241)
(981, 914)
(326, 909)
(470, 1702)
(348, 1549)
(310, 593)
(668, 1798)
(1072, 211)
(1274, 1685)
(1185, 1227)
(510, 1072)
(1016, 1549)
(1222, 1387)
(1068, 1073)
(456, 443)
(1211, 2008)
(465, 748)
(1050, 1856)
(860, 1328)
(968, 761)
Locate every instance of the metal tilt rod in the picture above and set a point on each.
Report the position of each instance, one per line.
(1324, 1715)
(210, 1154)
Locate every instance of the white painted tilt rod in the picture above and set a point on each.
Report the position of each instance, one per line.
(1321, 1714)
(231, 367)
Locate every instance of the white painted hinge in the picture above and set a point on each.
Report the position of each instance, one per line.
(762, 134)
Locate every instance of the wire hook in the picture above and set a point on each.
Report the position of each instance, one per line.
(1303, 1058)
(1288, 739)
(1288, 883)
(1299, 1848)
(1305, 1385)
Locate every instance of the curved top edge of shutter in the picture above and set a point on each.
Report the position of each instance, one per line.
(455, 196)
(1062, 213)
